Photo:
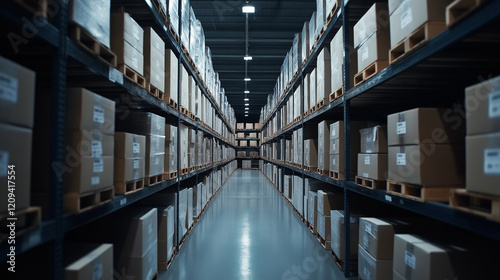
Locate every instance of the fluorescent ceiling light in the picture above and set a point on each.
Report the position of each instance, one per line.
(247, 79)
(247, 57)
(246, 99)
(246, 91)
(248, 9)
(246, 104)
(246, 115)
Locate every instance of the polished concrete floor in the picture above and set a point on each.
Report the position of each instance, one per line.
(249, 232)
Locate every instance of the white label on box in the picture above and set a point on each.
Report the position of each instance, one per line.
(98, 269)
(410, 259)
(334, 161)
(406, 18)
(492, 161)
(136, 163)
(136, 148)
(4, 162)
(115, 76)
(401, 128)
(366, 241)
(494, 105)
(95, 180)
(98, 165)
(368, 228)
(366, 175)
(334, 146)
(401, 159)
(367, 160)
(96, 148)
(364, 54)
(8, 88)
(98, 114)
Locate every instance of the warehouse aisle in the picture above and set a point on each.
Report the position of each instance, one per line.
(250, 232)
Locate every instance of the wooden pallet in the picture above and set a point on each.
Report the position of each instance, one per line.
(331, 14)
(321, 103)
(153, 180)
(419, 193)
(154, 91)
(339, 176)
(174, 34)
(25, 220)
(162, 266)
(191, 169)
(337, 94)
(75, 203)
(310, 168)
(416, 39)
(341, 264)
(486, 206)
(132, 75)
(184, 171)
(313, 229)
(370, 71)
(459, 9)
(161, 12)
(322, 172)
(129, 187)
(36, 7)
(370, 183)
(184, 111)
(90, 44)
(170, 175)
(327, 245)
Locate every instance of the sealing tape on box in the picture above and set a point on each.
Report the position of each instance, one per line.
(8, 88)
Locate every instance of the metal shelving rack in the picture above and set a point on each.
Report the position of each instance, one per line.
(433, 75)
(255, 160)
(73, 66)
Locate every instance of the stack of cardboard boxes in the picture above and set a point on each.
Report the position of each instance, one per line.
(171, 77)
(184, 158)
(327, 201)
(166, 232)
(324, 147)
(127, 41)
(93, 16)
(88, 261)
(17, 99)
(372, 161)
(130, 153)
(337, 157)
(323, 76)
(338, 236)
(337, 60)
(170, 149)
(154, 60)
(192, 135)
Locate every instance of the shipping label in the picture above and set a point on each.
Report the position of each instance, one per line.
(136, 163)
(8, 88)
(401, 159)
(98, 114)
(410, 259)
(401, 128)
(115, 76)
(494, 105)
(136, 148)
(406, 18)
(367, 160)
(368, 228)
(492, 161)
(96, 148)
(98, 270)
(366, 175)
(95, 180)
(98, 165)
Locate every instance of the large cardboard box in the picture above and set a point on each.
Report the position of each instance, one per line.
(328, 201)
(425, 125)
(482, 106)
(375, 19)
(373, 166)
(324, 144)
(93, 16)
(140, 267)
(129, 169)
(415, 258)
(483, 163)
(370, 268)
(97, 263)
(323, 75)
(423, 164)
(312, 206)
(171, 76)
(337, 60)
(140, 235)
(128, 145)
(324, 228)
(17, 94)
(374, 140)
(337, 163)
(15, 150)
(312, 88)
(127, 41)
(310, 152)
(143, 123)
(376, 236)
(170, 133)
(90, 174)
(338, 239)
(184, 89)
(88, 111)
(90, 143)
(154, 59)
(375, 48)
(411, 14)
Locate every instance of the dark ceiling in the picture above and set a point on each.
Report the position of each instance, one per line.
(271, 32)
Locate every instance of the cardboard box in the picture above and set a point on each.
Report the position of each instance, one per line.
(253, 143)
(483, 163)
(375, 48)
(170, 133)
(328, 201)
(91, 174)
(243, 143)
(154, 59)
(337, 163)
(89, 111)
(312, 206)
(15, 150)
(140, 268)
(324, 145)
(310, 152)
(374, 140)
(128, 145)
(372, 268)
(143, 123)
(416, 258)
(411, 14)
(482, 106)
(96, 264)
(258, 126)
(93, 16)
(252, 135)
(91, 143)
(249, 126)
(373, 166)
(127, 41)
(129, 169)
(324, 228)
(184, 90)
(425, 125)
(417, 164)
(393, 5)
(140, 235)
(17, 94)
(337, 230)
(155, 164)
(240, 126)
(170, 162)
(323, 75)
(337, 131)
(240, 135)
(376, 236)
(312, 88)
(375, 19)
(171, 76)
(337, 60)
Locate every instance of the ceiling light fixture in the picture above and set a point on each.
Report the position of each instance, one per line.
(247, 57)
(246, 99)
(248, 9)
(247, 79)
(247, 104)
(246, 91)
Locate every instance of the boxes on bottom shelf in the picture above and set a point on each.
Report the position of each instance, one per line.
(417, 164)
(95, 263)
(324, 227)
(312, 206)
(373, 166)
(376, 236)
(337, 230)
(328, 201)
(141, 268)
(15, 149)
(483, 163)
(370, 268)
(166, 230)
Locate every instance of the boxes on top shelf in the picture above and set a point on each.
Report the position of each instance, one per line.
(320, 16)
(305, 46)
(323, 75)
(93, 16)
(127, 41)
(154, 59)
(312, 30)
(17, 97)
(482, 106)
(337, 60)
(143, 123)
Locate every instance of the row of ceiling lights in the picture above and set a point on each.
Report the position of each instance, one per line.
(247, 9)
